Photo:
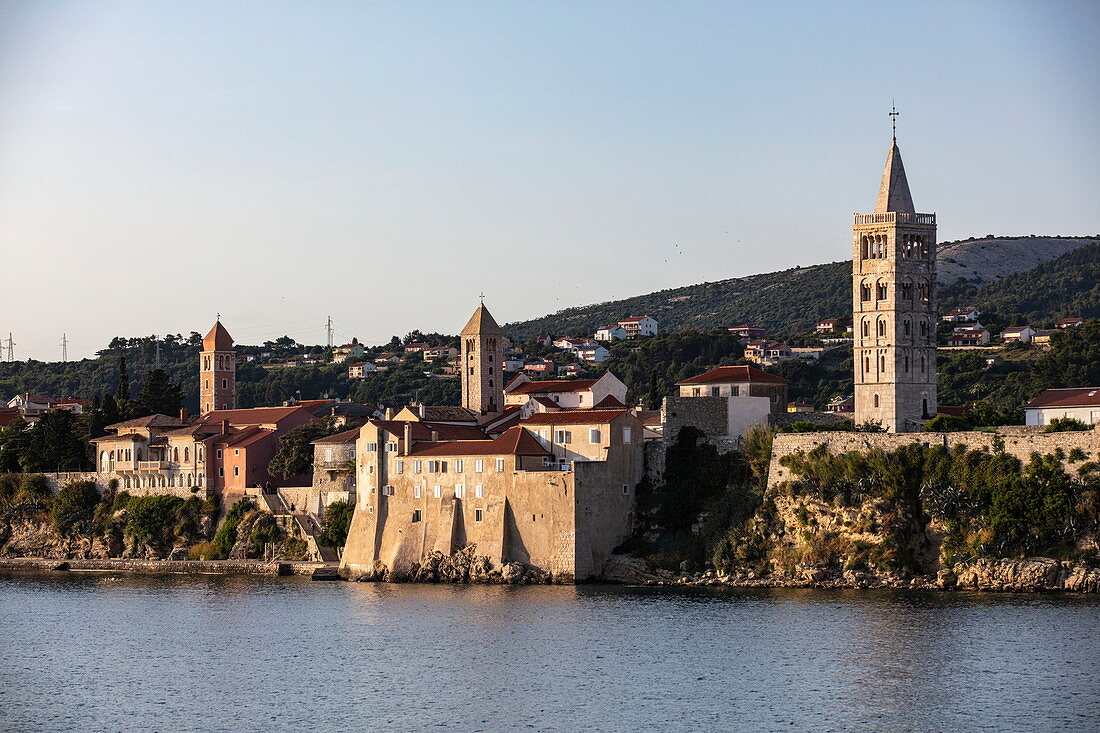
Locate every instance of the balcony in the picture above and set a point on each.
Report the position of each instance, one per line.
(894, 217)
(154, 465)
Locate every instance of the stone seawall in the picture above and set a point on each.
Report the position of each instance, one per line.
(164, 567)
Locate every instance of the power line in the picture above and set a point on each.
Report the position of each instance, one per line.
(65, 347)
(11, 348)
(328, 330)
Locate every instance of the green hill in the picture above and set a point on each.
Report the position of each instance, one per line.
(792, 301)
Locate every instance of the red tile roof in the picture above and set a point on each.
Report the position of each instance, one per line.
(422, 431)
(734, 374)
(9, 416)
(252, 415)
(217, 339)
(246, 437)
(123, 436)
(553, 385)
(1067, 397)
(574, 417)
(149, 421)
(608, 403)
(515, 441)
(348, 436)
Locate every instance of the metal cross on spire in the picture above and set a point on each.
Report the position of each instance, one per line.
(482, 296)
(894, 120)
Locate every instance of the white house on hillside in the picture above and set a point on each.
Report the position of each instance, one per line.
(639, 326)
(613, 332)
(1079, 403)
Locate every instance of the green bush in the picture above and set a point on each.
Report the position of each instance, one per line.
(205, 551)
(74, 506)
(336, 524)
(226, 536)
(1065, 424)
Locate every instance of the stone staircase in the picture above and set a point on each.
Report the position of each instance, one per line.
(308, 529)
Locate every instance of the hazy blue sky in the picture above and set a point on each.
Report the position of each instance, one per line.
(386, 162)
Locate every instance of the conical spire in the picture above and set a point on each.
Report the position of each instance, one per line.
(217, 339)
(893, 192)
(482, 322)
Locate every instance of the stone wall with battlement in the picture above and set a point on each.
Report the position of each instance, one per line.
(1017, 442)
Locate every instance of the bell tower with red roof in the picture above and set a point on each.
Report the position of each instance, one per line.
(217, 371)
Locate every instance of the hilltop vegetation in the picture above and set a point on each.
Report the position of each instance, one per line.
(1065, 286)
(792, 301)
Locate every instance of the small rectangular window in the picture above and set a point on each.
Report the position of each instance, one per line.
(433, 466)
(236, 451)
(437, 491)
(418, 466)
(399, 466)
(626, 435)
(478, 515)
(594, 435)
(236, 470)
(387, 490)
(458, 465)
(626, 489)
(416, 515)
(219, 453)
(460, 490)
(479, 491)
(500, 464)
(479, 465)
(221, 471)
(417, 492)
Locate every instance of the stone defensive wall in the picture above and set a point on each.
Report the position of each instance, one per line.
(1019, 441)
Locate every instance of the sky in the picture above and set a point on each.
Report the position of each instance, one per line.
(385, 163)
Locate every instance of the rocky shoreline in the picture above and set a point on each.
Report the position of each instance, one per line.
(1030, 575)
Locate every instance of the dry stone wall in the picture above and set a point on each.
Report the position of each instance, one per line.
(1020, 444)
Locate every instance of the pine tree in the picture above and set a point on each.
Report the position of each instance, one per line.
(123, 393)
(111, 413)
(158, 395)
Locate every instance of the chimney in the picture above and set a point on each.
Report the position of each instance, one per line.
(390, 412)
(183, 414)
(225, 427)
(408, 437)
(421, 410)
(435, 436)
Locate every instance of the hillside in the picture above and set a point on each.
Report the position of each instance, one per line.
(793, 300)
(1066, 286)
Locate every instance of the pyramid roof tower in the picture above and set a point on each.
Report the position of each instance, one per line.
(217, 339)
(482, 322)
(893, 192)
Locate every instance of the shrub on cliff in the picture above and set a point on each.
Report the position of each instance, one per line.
(336, 524)
(226, 536)
(74, 507)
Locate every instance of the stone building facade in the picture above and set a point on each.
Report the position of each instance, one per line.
(482, 363)
(894, 318)
(557, 496)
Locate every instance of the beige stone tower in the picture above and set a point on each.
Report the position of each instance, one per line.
(893, 304)
(217, 371)
(482, 358)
